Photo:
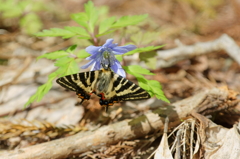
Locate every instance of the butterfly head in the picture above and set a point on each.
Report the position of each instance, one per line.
(105, 67)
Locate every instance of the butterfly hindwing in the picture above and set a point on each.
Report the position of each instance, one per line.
(127, 90)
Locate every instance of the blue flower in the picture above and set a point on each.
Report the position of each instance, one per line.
(106, 55)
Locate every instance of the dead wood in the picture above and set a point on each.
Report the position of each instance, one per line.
(170, 57)
(125, 130)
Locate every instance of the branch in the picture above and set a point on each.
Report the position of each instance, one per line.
(170, 57)
(125, 130)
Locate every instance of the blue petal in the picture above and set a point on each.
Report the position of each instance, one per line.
(96, 66)
(113, 45)
(121, 72)
(108, 43)
(117, 68)
(123, 49)
(129, 47)
(93, 49)
(119, 51)
(94, 57)
(88, 64)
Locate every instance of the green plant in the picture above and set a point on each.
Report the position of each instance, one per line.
(94, 24)
(24, 13)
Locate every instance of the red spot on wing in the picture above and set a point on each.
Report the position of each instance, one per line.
(102, 96)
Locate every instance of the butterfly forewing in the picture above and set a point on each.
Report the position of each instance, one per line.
(81, 83)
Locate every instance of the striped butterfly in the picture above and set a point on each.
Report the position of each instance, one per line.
(109, 86)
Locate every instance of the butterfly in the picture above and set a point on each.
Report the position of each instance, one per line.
(109, 86)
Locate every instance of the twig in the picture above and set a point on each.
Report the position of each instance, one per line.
(170, 57)
(112, 134)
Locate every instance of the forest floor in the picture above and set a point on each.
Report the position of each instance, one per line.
(181, 25)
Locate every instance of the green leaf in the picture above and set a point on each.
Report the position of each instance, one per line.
(56, 32)
(105, 33)
(53, 55)
(106, 24)
(9, 9)
(63, 61)
(129, 20)
(58, 54)
(151, 86)
(92, 14)
(78, 31)
(136, 69)
(149, 58)
(144, 49)
(71, 48)
(42, 90)
(143, 83)
(71, 68)
(68, 65)
(12, 13)
(81, 19)
(156, 88)
(119, 57)
(31, 23)
(37, 6)
(83, 54)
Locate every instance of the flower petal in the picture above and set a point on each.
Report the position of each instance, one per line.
(121, 72)
(117, 68)
(88, 64)
(93, 49)
(129, 47)
(113, 45)
(105, 55)
(94, 57)
(96, 66)
(123, 49)
(108, 43)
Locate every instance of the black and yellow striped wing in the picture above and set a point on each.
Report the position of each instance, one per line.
(126, 90)
(111, 87)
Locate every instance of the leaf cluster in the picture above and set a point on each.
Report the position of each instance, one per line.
(153, 87)
(92, 24)
(25, 11)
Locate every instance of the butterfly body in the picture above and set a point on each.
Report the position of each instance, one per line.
(109, 86)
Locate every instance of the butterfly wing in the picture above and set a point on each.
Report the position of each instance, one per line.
(109, 86)
(81, 83)
(126, 90)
